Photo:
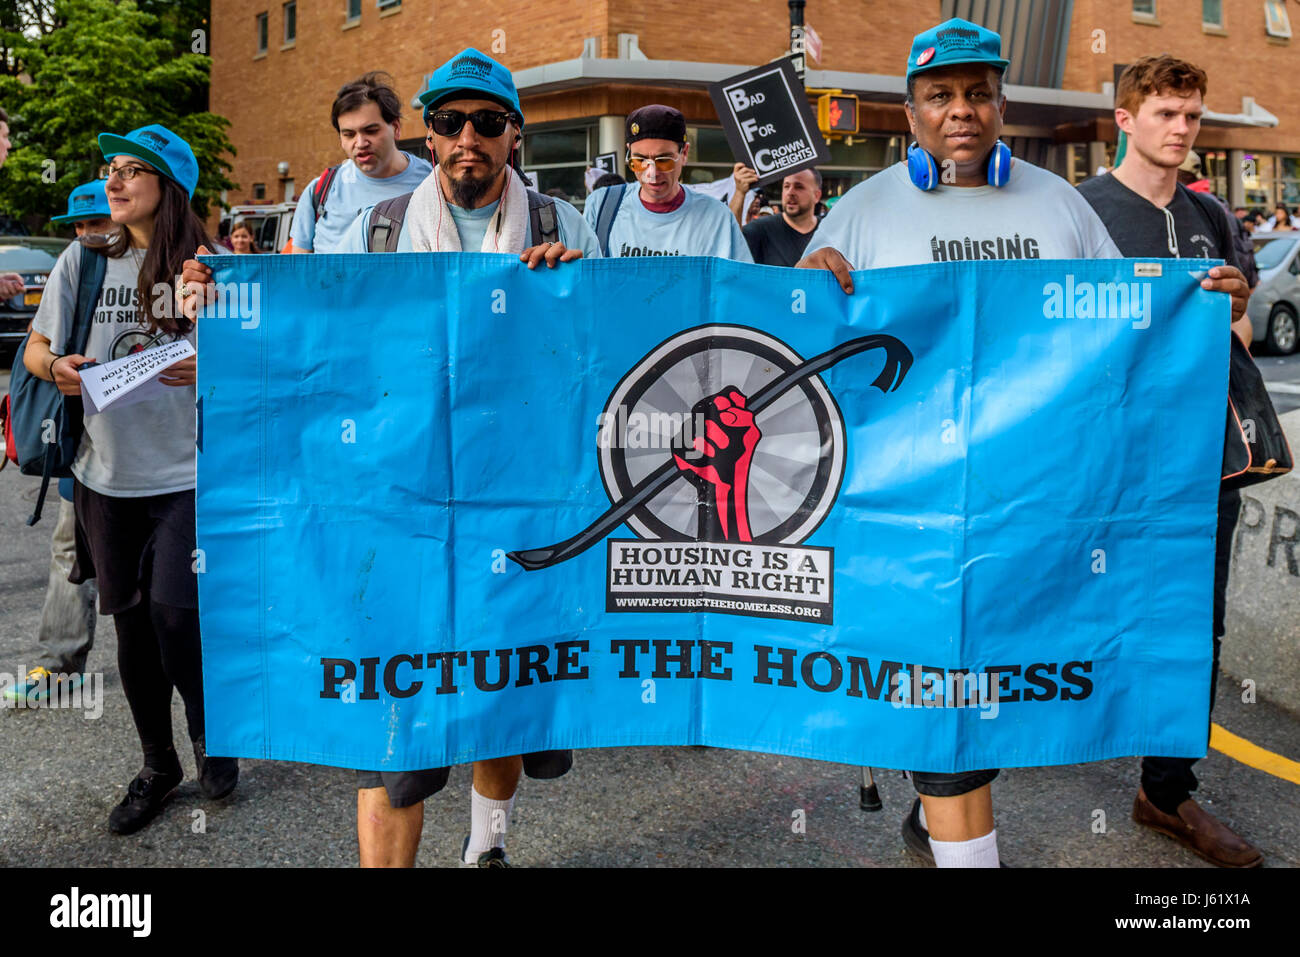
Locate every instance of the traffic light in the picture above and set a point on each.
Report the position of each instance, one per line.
(837, 113)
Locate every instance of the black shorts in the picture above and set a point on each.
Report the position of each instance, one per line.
(133, 545)
(942, 784)
(410, 787)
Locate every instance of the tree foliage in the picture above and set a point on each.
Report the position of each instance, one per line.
(103, 66)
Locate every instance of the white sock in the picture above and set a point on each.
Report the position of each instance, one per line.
(921, 816)
(488, 822)
(977, 852)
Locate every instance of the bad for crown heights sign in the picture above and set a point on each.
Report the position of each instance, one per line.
(768, 122)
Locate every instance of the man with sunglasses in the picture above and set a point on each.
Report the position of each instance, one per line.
(475, 201)
(657, 216)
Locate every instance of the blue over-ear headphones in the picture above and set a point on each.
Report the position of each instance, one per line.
(924, 172)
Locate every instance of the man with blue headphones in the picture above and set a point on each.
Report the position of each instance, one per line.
(960, 193)
(960, 196)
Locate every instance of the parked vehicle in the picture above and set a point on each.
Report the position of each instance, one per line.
(1274, 308)
(32, 257)
(270, 223)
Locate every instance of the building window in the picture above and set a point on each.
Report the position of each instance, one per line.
(559, 157)
(354, 10)
(259, 191)
(1212, 13)
(290, 22)
(710, 157)
(1145, 9)
(1214, 167)
(388, 4)
(850, 165)
(261, 33)
(1276, 20)
(1289, 180)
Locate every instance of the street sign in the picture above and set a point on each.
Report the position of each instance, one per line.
(812, 43)
(606, 161)
(768, 122)
(796, 51)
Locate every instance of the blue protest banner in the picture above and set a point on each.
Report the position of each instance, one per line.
(453, 509)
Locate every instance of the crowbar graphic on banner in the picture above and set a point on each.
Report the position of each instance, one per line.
(898, 360)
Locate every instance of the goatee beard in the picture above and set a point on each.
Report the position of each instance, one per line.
(467, 191)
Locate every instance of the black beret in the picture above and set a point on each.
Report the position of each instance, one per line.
(656, 122)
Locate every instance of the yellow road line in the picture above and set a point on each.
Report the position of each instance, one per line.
(1252, 755)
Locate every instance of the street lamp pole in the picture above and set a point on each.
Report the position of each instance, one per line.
(796, 36)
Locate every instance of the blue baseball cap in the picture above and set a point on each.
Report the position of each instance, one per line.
(951, 43)
(471, 75)
(87, 201)
(160, 148)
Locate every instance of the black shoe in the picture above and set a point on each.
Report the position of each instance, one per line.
(915, 836)
(217, 776)
(145, 797)
(493, 858)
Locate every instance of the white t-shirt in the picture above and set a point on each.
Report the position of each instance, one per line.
(700, 226)
(887, 221)
(351, 192)
(142, 449)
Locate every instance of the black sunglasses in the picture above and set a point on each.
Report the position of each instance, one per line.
(486, 122)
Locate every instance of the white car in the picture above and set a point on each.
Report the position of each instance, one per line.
(1274, 308)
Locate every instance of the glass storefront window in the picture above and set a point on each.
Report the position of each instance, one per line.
(555, 146)
(559, 157)
(1289, 179)
(1215, 167)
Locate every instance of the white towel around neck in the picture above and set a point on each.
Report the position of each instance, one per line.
(433, 229)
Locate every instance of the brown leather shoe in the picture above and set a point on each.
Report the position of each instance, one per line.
(1198, 831)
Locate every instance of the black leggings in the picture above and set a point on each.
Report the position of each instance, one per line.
(158, 649)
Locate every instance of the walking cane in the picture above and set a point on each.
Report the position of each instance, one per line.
(868, 794)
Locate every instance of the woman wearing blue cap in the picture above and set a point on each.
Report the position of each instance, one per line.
(135, 468)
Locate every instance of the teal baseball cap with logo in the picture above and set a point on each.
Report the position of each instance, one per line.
(87, 201)
(471, 75)
(954, 42)
(160, 148)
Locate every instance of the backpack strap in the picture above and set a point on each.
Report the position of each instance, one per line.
(323, 183)
(543, 222)
(612, 200)
(386, 224)
(89, 281)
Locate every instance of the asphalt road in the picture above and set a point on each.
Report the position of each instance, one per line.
(1282, 373)
(684, 807)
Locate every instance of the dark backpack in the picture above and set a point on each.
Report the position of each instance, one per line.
(322, 188)
(386, 222)
(44, 424)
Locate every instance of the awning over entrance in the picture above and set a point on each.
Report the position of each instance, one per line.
(1027, 105)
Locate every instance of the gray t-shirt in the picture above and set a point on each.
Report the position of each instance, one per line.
(887, 221)
(141, 449)
(351, 192)
(1141, 228)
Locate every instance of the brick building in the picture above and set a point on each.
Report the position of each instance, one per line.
(581, 65)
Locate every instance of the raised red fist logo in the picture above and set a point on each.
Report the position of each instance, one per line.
(717, 462)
